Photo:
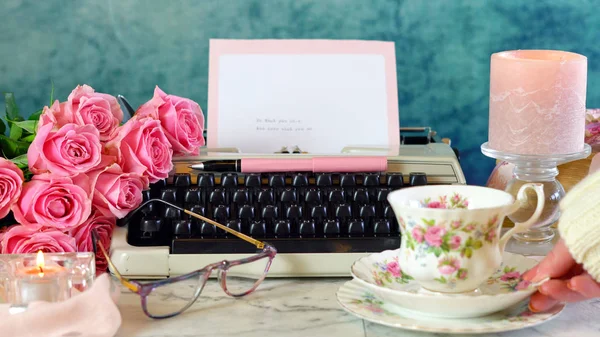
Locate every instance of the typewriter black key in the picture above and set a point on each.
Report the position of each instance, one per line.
(293, 212)
(168, 195)
(192, 196)
(313, 196)
(253, 180)
(395, 180)
(336, 195)
(361, 196)
(347, 180)
(229, 180)
(371, 179)
(270, 212)
(150, 226)
(207, 230)
(151, 206)
(388, 212)
(323, 180)
(331, 228)
(246, 212)
(235, 225)
(257, 228)
(206, 180)
(288, 195)
(198, 209)
(241, 197)
(221, 213)
(282, 229)
(318, 213)
(171, 213)
(381, 227)
(366, 211)
(300, 180)
(418, 179)
(266, 197)
(307, 228)
(343, 211)
(182, 180)
(356, 227)
(277, 180)
(182, 228)
(217, 197)
(382, 195)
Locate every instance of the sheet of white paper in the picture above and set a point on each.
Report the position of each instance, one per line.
(318, 102)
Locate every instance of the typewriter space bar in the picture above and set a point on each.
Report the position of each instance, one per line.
(286, 245)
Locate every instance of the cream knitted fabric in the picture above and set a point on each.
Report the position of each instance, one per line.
(579, 223)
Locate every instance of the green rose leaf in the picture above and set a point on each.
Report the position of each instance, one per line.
(2, 127)
(29, 126)
(13, 148)
(28, 139)
(477, 244)
(445, 247)
(15, 132)
(469, 242)
(12, 110)
(21, 161)
(36, 115)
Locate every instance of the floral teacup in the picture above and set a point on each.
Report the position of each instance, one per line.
(450, 234)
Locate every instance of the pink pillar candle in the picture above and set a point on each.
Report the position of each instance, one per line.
(537, 102)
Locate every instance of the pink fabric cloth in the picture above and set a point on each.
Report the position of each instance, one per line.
(92, 313)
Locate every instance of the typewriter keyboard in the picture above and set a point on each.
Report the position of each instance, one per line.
(295, 212)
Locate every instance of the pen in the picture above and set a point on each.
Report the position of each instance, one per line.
(316, 164)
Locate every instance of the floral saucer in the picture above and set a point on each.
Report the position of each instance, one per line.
(363, 303)
(382, 275)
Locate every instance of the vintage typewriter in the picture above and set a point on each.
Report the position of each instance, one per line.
(319, 222)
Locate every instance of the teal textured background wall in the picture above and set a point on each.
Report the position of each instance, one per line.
(443, 48)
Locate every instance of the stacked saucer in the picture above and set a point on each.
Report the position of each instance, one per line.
(382, 293)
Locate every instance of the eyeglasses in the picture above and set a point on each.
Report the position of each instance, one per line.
(172, 296)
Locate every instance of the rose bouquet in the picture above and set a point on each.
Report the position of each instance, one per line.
(75, 166)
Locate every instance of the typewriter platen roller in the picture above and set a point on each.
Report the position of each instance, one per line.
(319, 222)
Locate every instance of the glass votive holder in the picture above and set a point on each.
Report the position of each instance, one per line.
(50, 277)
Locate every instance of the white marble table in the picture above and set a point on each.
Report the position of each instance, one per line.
(307, 307)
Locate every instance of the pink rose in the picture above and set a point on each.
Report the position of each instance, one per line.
(490, 235)
(523, 285)
(455, 242)
(22, 240)
(116, 193)
(435, 204)
(100, 110)
(513, 275)
(469, 228)
(434, 234)
(11, 184)
(417, 234)
(70, 150)
(448, 265)
(50, 201)
(58, 115)
(394, 268)
(104, 225)
(462, 274)
(141, 147)
(456, 224)
(183, 122)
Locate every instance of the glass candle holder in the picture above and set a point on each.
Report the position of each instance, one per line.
(50, 277)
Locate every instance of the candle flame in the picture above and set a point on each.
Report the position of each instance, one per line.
(40, 262)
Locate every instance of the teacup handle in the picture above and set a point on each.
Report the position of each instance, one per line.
(521, 199)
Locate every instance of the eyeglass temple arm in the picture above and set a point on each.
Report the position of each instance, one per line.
(258, 244)
(124, 281)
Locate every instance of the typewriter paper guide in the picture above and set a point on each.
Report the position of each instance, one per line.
(319, 95)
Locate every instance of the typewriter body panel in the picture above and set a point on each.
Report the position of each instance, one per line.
(322, 240)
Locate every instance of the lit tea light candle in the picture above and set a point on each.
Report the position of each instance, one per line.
(42, 282)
